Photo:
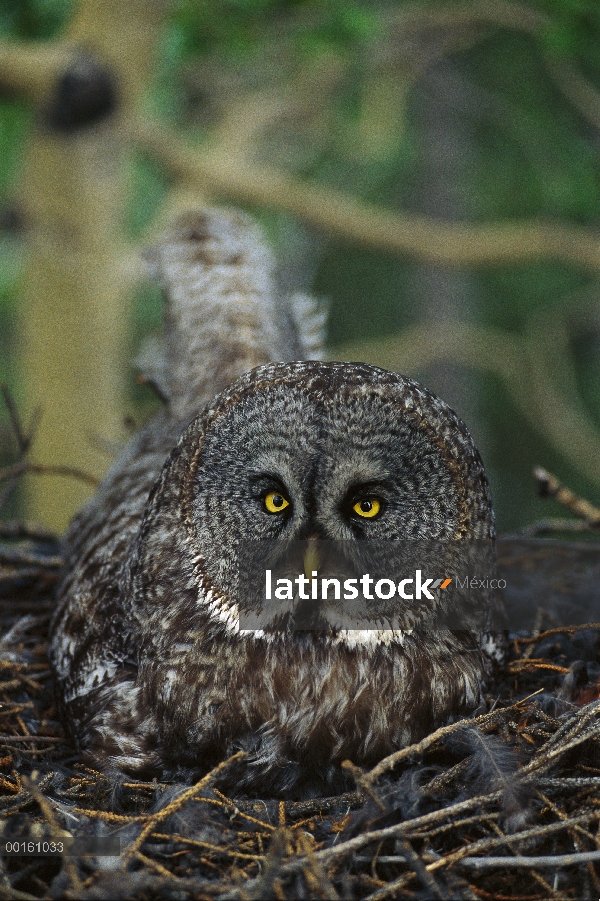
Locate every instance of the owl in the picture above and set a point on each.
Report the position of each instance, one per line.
(257, 441)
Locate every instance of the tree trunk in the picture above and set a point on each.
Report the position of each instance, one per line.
(74, 312)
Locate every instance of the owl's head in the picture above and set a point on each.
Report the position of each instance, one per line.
(322, 451)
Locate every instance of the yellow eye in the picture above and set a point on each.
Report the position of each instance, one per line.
(367, 508)
(276, 502)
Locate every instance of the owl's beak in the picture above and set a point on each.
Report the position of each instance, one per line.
(311, 557)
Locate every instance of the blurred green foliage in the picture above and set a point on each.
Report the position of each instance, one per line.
(33, 19)
(529, 153)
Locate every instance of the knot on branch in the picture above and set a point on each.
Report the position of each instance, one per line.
(85, 94)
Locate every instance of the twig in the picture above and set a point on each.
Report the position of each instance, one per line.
(407, 826)
(221, 850)
(23, 437)
(20, 469)
(573, 733)
(510, 845)
(392, 760)
(13, 894)
(179, 802)
(389, 890)
(518, 837)
(363, 782)
(559, 630)
(109, 816)
(155, 866)
(267, 885)
(556, 861)
(418, 867)
(549, 486)
(544, 526)
(458, 824)
(224, 801)
(515, 16)
(521, 666)
(319, 879)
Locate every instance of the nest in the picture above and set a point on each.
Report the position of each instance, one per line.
(503, 805)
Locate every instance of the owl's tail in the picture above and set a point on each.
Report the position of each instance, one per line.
(224, 313)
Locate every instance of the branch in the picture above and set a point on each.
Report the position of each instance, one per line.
(553, 861)
(154, 819)
(32, 69)
(21, 469)
(464, 15)
(549, 486)
(416, 749)
(23, 438)
(551, 526)
(219, 173)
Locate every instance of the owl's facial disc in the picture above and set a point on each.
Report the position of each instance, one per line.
(345, 453)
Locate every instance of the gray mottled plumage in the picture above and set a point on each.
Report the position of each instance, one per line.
(152, 677)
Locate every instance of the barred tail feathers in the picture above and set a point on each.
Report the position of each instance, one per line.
(223, 312)
(309, 316)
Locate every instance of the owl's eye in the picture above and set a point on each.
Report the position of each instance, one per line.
(368, 508)
(275, 502)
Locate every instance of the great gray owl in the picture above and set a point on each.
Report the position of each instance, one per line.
(154, 675)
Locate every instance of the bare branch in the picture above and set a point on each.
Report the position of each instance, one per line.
(550, 526)
(23, 440)
(553, 861)
(220, 173)
(503, 14)
(31, 69)
(179, 802)
(549, 486)
(388, 763)
(19, 469)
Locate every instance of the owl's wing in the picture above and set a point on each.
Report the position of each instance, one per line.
(224, 310)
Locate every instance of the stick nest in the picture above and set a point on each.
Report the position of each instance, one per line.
(503, 805)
